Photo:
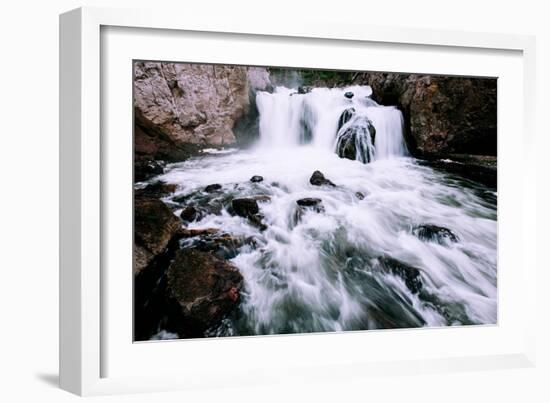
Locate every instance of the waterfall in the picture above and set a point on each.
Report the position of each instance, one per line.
(379, 241)
(345, 120)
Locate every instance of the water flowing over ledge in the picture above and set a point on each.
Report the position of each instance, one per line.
(385, 242)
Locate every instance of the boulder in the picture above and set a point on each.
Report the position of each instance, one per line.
(190, 214)
(221, 245)
(157, 190)
(154, 227)
(146, 168)
(304, 89)
(357, 141)
(204, 288)
(348, 95)
(433, 233)
(345, 117)
(410, 275)
(318, 179)
(245, 207)
(309, 202)
(360, 195)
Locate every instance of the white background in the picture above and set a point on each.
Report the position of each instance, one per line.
(29, 169)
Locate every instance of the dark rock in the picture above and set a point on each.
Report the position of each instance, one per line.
(157, 189)
(482, 169)
(145, 168)
(187, 232)
(349, 94)
(353, 143)
(190, 214)
(443, 114)
(304, 89)
(410, 275)
(345, 117)
(435, 234)
(257, 221)
(318, 179)
(154, 226)
(245, 207)
(309, 202)
(204, 288)
(256, 178)
(222, 245)
(359, 195)
(213, 188)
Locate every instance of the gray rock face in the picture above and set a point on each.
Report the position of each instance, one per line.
(190, 103)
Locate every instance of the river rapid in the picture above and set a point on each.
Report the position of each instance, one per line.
(366, 258)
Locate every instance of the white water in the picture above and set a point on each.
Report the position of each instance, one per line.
(322, 273)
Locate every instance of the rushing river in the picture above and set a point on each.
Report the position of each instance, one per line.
(323, 270)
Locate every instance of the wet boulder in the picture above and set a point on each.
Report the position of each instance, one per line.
(245, 207)
(356, 142)
(221, 245)
(433, 233)
(410, 275)
(349, 95)
(318, 179)
(190, 214)
(158, 190)
(256, 179)
(309, 202)
(145, 168)
(345, 117)
(304, 89)
(203, 290)
(154, 226)
(360, 195)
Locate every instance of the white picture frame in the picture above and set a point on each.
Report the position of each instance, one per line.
(85, 307)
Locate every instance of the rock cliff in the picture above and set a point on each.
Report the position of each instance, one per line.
(443, 114)
(178, 105)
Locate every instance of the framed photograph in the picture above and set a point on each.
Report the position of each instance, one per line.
(275, 191)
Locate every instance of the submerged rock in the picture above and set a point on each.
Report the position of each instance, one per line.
(349, 94)
(212, 188)
(318, 179)
(434, 233)
(410, 275)
(256, 179)
(204, 288)
(360, 195)
(304, 89)
(154, 226)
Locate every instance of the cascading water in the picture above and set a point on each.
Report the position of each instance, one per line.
(373, 253)
(328, 119)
